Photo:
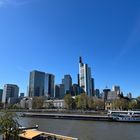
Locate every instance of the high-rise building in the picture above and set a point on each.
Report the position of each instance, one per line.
(1, 92)
(97, 93)
(10, 93)
(116, 89)
(92, 86)
(36, 83)
(59, 91)
(85, 79)
(49, 85)
(62, 91)
(105, 93)
(75, 90)
(67, 82)
(41, 84)
(21, 95)
(129, 95)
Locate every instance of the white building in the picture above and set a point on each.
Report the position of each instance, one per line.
(85, 80)
(54, 103)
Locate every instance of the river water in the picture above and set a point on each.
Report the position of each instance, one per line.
(86, 130)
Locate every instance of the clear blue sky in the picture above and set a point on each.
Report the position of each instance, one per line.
(50, 35)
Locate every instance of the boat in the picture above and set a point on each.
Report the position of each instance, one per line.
(34, 134)
(125, 116)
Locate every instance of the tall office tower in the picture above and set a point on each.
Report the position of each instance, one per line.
(97, 93)
(85, 80)
(49, 85)
(10, 93)
(92, 86)
(129, 95)
(1, 92)
(59, 91)
(36, 83)
(62, 91)
(75, 90)
(105, 93)
(116, 89)
(67, 82)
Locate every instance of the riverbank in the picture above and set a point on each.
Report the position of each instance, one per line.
(65, 111)
(68, 116)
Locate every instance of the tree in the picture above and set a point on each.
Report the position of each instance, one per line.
(133, 104)
(90, 103)
(69, 101)
(9, 126)
(98, 104)
(38, 102)
(138, 102)
(82, 101)
(121, 104)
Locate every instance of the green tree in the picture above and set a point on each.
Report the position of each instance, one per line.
(133, 104)
(90, 103)
(68, 101)
(124, 104)
(9, 126)
(138, 102)
(98, 104)
(82, 101)
(37, 102)
(121, 104)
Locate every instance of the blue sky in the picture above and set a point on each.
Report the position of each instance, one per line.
(50, 35)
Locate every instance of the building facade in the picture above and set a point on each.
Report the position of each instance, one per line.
(1, 93)
(116, 89)
(49, 85)
(36, 83)
(85, 80)
(67, 82)
(41, 84)
(10, 94)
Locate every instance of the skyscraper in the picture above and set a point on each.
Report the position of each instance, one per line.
(116, 89)
(49, 85)
(59, 91)
(36, 83)
(85, 79)
(67, 82)
(41, 84)
(1, 92)
(10, 93)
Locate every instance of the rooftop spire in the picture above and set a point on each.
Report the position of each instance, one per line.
(80, 59)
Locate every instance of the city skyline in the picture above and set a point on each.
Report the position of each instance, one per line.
(50, 36)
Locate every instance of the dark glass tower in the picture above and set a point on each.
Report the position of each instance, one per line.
(36, 83)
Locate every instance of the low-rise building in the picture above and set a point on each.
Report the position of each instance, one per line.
(54, 104)
(26, 103)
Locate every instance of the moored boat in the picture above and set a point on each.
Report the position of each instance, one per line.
(33, 134)
(125, 116)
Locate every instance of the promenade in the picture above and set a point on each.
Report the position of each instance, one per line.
(68, 116)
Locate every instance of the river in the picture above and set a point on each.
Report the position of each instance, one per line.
(86, 130)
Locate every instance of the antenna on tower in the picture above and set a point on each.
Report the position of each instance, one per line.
(80, 59)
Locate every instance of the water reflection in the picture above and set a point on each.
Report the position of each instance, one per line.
(86, 130)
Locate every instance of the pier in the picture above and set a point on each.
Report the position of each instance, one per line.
(68, 116)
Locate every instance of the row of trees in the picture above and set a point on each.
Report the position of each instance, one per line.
(83, 102)
(124, 104)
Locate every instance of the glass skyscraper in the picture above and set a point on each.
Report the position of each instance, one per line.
(36, 83)
(67, 82)
(85, 80)
(41, 84)
(10, 93)
(49, 85)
